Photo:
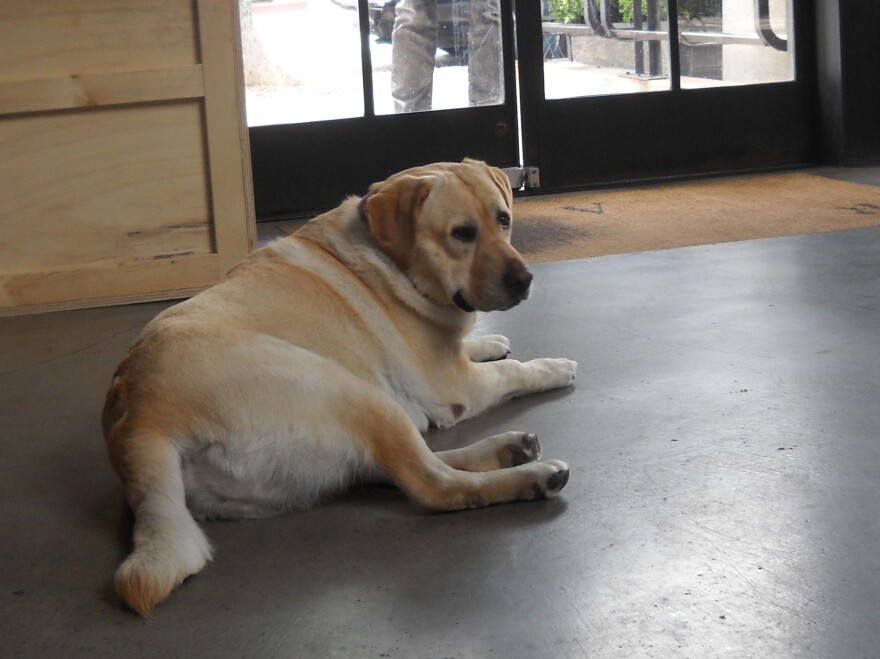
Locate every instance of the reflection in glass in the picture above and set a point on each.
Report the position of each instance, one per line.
(302, 61)
(598, 47)
(734, 42)
(302, 58)
(444, 54)
(595, 47)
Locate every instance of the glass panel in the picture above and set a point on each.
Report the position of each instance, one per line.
(599, 47)
(302, 60)
(439, 54)
(735, 42)
(302, 57)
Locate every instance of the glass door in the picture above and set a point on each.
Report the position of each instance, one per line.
(341, 93)
(623, 90)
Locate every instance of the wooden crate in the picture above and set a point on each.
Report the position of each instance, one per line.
(124, 160)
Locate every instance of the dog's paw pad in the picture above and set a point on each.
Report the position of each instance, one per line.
(498, 340)
(553, 478)
(558, 480)
(488, 348)
(526, 450)
(558, 372)
(567, 367)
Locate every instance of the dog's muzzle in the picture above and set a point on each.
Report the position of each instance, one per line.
(515, 283)
(461, 303)
(517, 280)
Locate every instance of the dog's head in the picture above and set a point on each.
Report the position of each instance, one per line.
(447, 227)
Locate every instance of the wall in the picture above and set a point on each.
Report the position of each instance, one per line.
(848, 72)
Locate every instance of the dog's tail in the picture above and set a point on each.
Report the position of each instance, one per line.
(168, 544)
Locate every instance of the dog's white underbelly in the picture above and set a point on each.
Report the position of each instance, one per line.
(268, 475)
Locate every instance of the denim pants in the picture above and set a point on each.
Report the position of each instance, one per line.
(414, 47)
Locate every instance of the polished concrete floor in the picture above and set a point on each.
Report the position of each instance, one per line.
(724, 439)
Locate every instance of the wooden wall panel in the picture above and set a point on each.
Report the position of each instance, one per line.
(124, 158)
(119, 281)
(54, 38)
(126, 181)
(96, 89)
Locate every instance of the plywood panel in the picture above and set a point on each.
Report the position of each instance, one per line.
(124, 160)
(227, 131)
(90, 186)
(42, 39)
(106, 282)
(97, 89)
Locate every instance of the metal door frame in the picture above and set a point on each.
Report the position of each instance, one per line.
(303, 169)
(594, 141)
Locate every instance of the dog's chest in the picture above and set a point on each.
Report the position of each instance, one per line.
(421, 404)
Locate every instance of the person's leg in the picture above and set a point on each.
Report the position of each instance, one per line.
(413, 50)
(485, 66)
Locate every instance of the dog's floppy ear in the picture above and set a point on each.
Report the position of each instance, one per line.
(391, 211)
(499, 178)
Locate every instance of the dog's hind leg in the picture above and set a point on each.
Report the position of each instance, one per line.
(168, 544)
(509, 449)
(396, 448)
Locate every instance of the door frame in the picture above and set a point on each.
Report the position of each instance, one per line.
(303, 169)
(579, 143)
(575, 144)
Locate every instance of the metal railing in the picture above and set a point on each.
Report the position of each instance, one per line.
(646, 28)
(599, 21)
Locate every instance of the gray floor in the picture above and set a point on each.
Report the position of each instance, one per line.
(724, 438)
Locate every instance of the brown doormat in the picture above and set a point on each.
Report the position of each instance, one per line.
(600, 222)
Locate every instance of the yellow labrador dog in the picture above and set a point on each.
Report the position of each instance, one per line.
(318, 361)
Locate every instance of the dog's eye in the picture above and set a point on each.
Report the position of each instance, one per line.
(465, 234)
(504, 220)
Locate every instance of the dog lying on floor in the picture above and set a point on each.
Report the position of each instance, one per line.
(319, 360)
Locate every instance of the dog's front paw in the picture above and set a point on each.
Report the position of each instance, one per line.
(487, 348)
(524, 448)
(548, 480)
(554, 373)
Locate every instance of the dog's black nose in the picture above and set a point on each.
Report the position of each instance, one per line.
(517, 279)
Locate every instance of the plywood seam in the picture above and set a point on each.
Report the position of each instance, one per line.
(103, 89)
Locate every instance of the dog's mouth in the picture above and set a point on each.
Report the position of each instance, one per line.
(461, 303)
(513, 300)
